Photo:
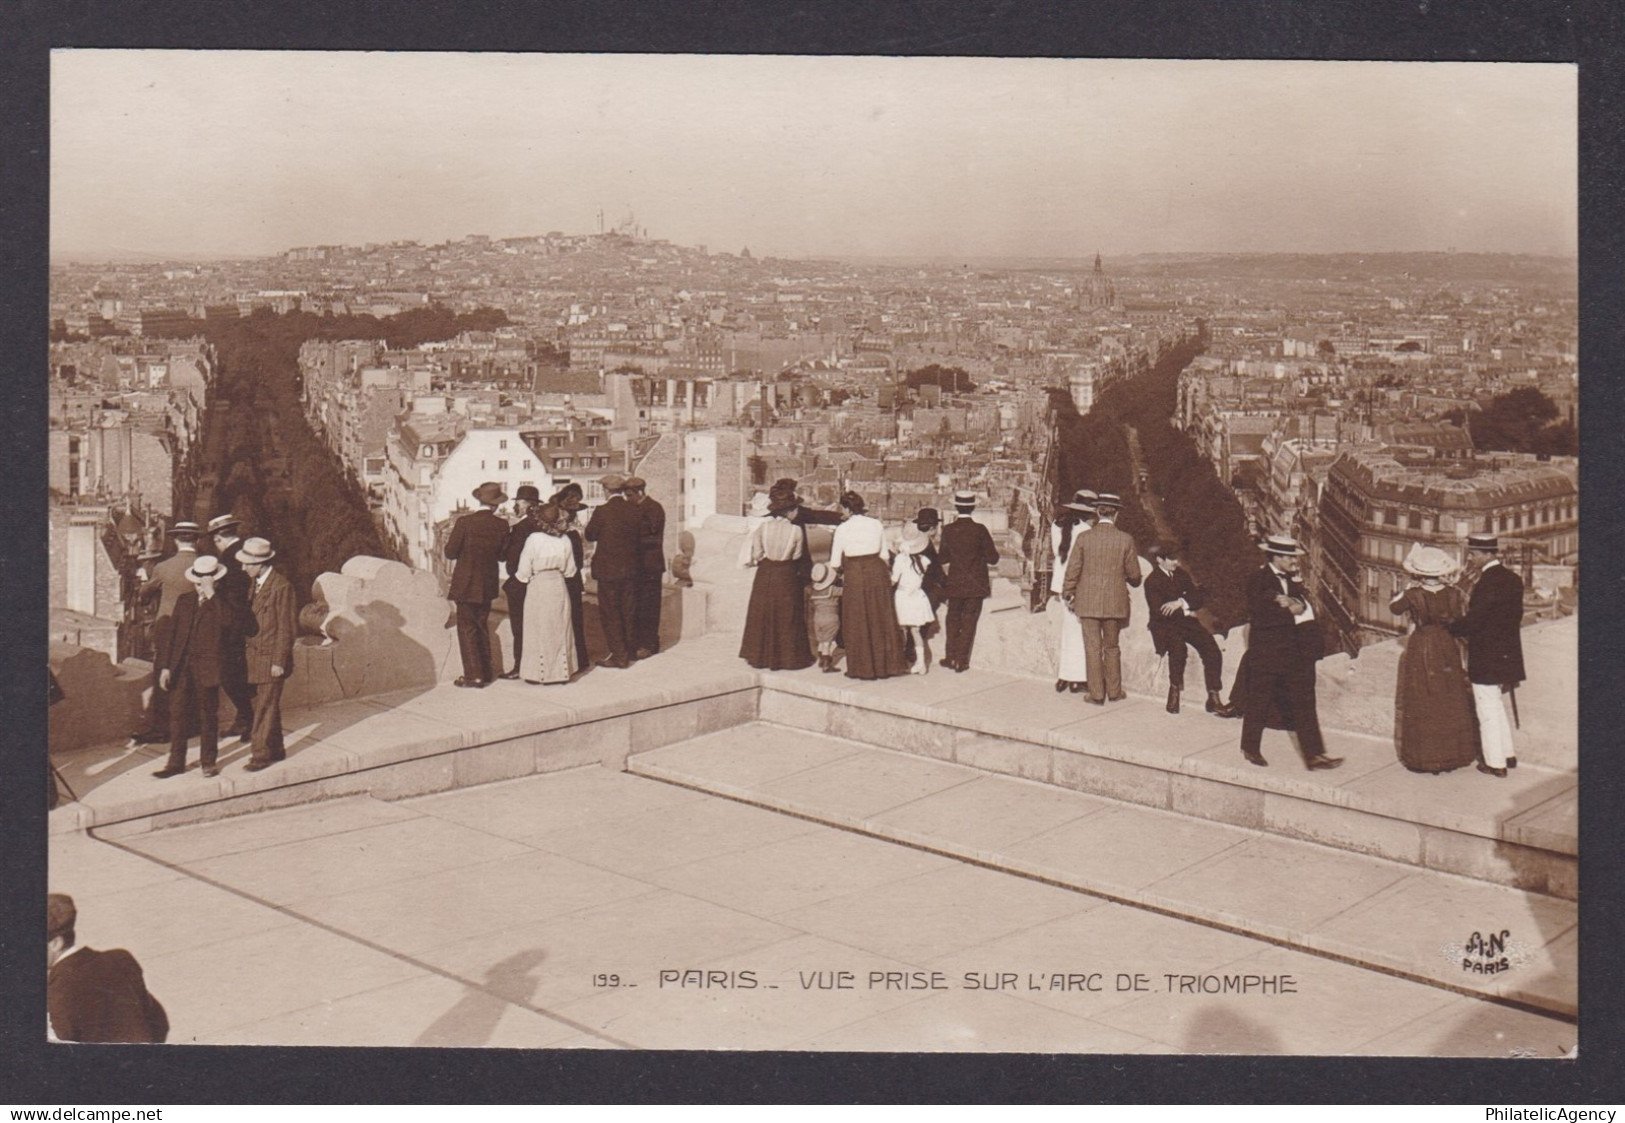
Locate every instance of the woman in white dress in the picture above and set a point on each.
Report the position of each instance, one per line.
(914, 612)
(549, 657)
(1071, 671)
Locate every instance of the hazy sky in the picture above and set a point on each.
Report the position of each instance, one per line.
(228, 152)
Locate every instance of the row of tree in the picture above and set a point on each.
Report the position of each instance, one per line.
(265, 463)
(1094, 452)
(1522, 420)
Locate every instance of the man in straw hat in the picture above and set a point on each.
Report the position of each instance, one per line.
(1102, 567)
(475, 545)
(617, 530)
(233, 587)
(1494, 649)
(268, 649)
(165, 583)
(967, 551)
(1283, 645)
(205, 630)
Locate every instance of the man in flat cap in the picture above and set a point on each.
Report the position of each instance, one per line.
(268, 649)
(475, 545)
(616, 529)
(233, 588)
(1173, 598)
(94, 996)
(526, 501)
(1283, 646)
(651, 567)
(1492, 627)
(967, 551)
(1100, 570)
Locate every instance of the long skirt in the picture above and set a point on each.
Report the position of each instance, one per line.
(1070, 665)
(1435, 729)
(578, 621)
(869, 631)
(776, 621)
(550, 650)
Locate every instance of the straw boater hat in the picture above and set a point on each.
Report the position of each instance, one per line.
(489, 494)
(914, 539)
(1282, 545)
(186, 530)
(1486, 542)
(1428, 561)
(223, 522)
(964, 501)
(528, 493)
(1108, 499)
(206, 568)
(822, 576)
(759, 504)
(256, 551)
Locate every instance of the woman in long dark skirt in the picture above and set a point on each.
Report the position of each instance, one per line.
(869, 631)
(569, 500)
(776, 622)
(1435, 728)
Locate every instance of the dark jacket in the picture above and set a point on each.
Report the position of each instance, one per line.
(967, 551)
(1274, 642)
(271, 625)
(205, 635)
(805, 517)
(515, 546)
(1492, 628)
(617, 528)
(1160, 588)
(651, 537)
(476, 544)
(100, 996)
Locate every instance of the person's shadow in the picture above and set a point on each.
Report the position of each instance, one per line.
(471, 1022)
(376, 656)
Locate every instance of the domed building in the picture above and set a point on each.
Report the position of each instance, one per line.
(1097, 290)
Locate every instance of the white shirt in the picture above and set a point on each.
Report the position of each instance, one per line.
(857, 537)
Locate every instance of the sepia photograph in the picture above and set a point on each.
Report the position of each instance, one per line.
(813, 553)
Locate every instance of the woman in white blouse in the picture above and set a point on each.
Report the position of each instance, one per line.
(869, 630)
(550, 655)
(1072, 520)
(775, 636)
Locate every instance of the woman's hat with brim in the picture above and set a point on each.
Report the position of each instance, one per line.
(914, 539)
(206, 568)
(1282, 545)
(1083, 508)
(760, 504)
(1428, 561)
(822, 576)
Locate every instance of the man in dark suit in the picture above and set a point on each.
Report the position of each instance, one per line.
(165, 583)
(1283, 645)
(475, 544)
(233, 586)
(651, 567)
(525, 500)
(95, 996)
(616, 529)
(207, 630)
(1099, 572)
(268, 649)
(1173, 599)
(1492, 628)
(967, 551)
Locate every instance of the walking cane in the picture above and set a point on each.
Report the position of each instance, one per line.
(1512, 691)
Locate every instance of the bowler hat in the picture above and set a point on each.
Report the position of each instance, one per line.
(490, 494)
(528, 493)
(256, 551)
(222, 522)
(927, 518)
(1282, 545)
(1481, 541)
(206, 568)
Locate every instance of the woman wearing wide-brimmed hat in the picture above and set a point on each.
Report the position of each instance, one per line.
(546, 561)
(1434, 726)
(869, 631)
(1071, 520)
(775, 636)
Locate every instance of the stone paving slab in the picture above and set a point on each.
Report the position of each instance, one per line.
(1305, 895)
(966, 1022)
